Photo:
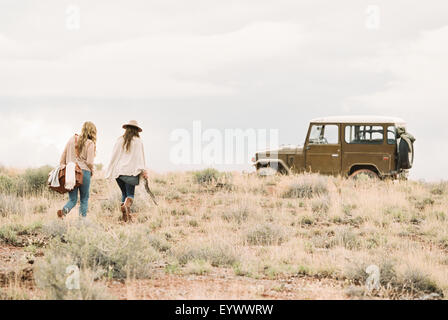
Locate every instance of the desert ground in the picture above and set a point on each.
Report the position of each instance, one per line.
(226, 236)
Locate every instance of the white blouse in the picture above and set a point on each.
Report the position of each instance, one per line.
(126, 163)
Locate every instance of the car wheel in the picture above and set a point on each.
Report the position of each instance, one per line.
(364, 174)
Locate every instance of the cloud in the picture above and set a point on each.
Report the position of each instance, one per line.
(230, 64)
(420, 73)
(417, 92)
(152, 66)
(30, 141)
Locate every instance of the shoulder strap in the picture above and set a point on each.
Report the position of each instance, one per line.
(76, 145)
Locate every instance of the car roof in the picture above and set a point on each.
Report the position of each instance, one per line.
(360, 119)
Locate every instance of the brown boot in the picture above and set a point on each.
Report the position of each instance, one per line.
(127, 206)
(61, 214)
(124, 216)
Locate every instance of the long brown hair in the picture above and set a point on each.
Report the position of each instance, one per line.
(128, 135)
(88, 132)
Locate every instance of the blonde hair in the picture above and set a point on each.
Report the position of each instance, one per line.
(88, 132)
(128, 135)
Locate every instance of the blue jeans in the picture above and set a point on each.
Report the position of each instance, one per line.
(84, 191)
(127, 190)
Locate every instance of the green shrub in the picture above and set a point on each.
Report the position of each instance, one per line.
(206, 176)
(112, 202)
(7, 184)
(397, 213)
(55, 228)
(321, 205)
(325, 240)
(123, 253)
(141, 205)
(266, 234)
(413, 281)
(31, 182)
(418, 282)
(158, 243)
(421, 205)
(36, 179)
(307, 187)
(198, 267)
(439, 188)
(19, 235)
(217, 255)
(11, 205)
(306, 220)
(348, 239)
(110, 205)
(388, 274)
(41, 206)
(51, 276)
(238, 215)
(14, 293)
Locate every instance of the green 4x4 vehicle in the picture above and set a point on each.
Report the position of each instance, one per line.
(379, 147)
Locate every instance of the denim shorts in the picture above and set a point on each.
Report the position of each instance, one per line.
(132, 180)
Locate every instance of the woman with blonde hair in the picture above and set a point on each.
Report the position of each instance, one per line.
(127, 164)
(80, 150)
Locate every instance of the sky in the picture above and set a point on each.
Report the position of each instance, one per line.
(242, 64)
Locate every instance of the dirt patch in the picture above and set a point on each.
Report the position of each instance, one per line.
(221, 285)
(15, 267)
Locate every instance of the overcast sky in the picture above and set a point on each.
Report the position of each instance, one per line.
(230, 64)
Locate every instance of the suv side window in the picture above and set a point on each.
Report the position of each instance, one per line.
(364, 134)
(324, 134)
(391, 135)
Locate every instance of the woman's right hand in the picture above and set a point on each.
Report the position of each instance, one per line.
(145, 174)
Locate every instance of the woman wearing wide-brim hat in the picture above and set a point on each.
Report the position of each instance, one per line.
(127, 164)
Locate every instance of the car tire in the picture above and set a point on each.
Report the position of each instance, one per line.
(405, 154)
(367, 172)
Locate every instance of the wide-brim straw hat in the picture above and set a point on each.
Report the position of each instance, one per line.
(132, 123)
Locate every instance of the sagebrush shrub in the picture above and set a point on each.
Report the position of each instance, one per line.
(266, 234)
(417, 281)
(11, 205)
(36, 179)
(51, 275)
(307, 187)
(206, 176)
(10, 233)
(158, 243)
(320, 205)
(388, 275)
(218, 255)
(7, 184)
(123, 253)
(198, 267)
(55, 228)
(348, 239)
(31, 182)
(239, 215)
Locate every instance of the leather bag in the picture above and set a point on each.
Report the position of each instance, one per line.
(78, 175)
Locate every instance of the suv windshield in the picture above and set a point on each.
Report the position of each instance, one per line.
(324, 134)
